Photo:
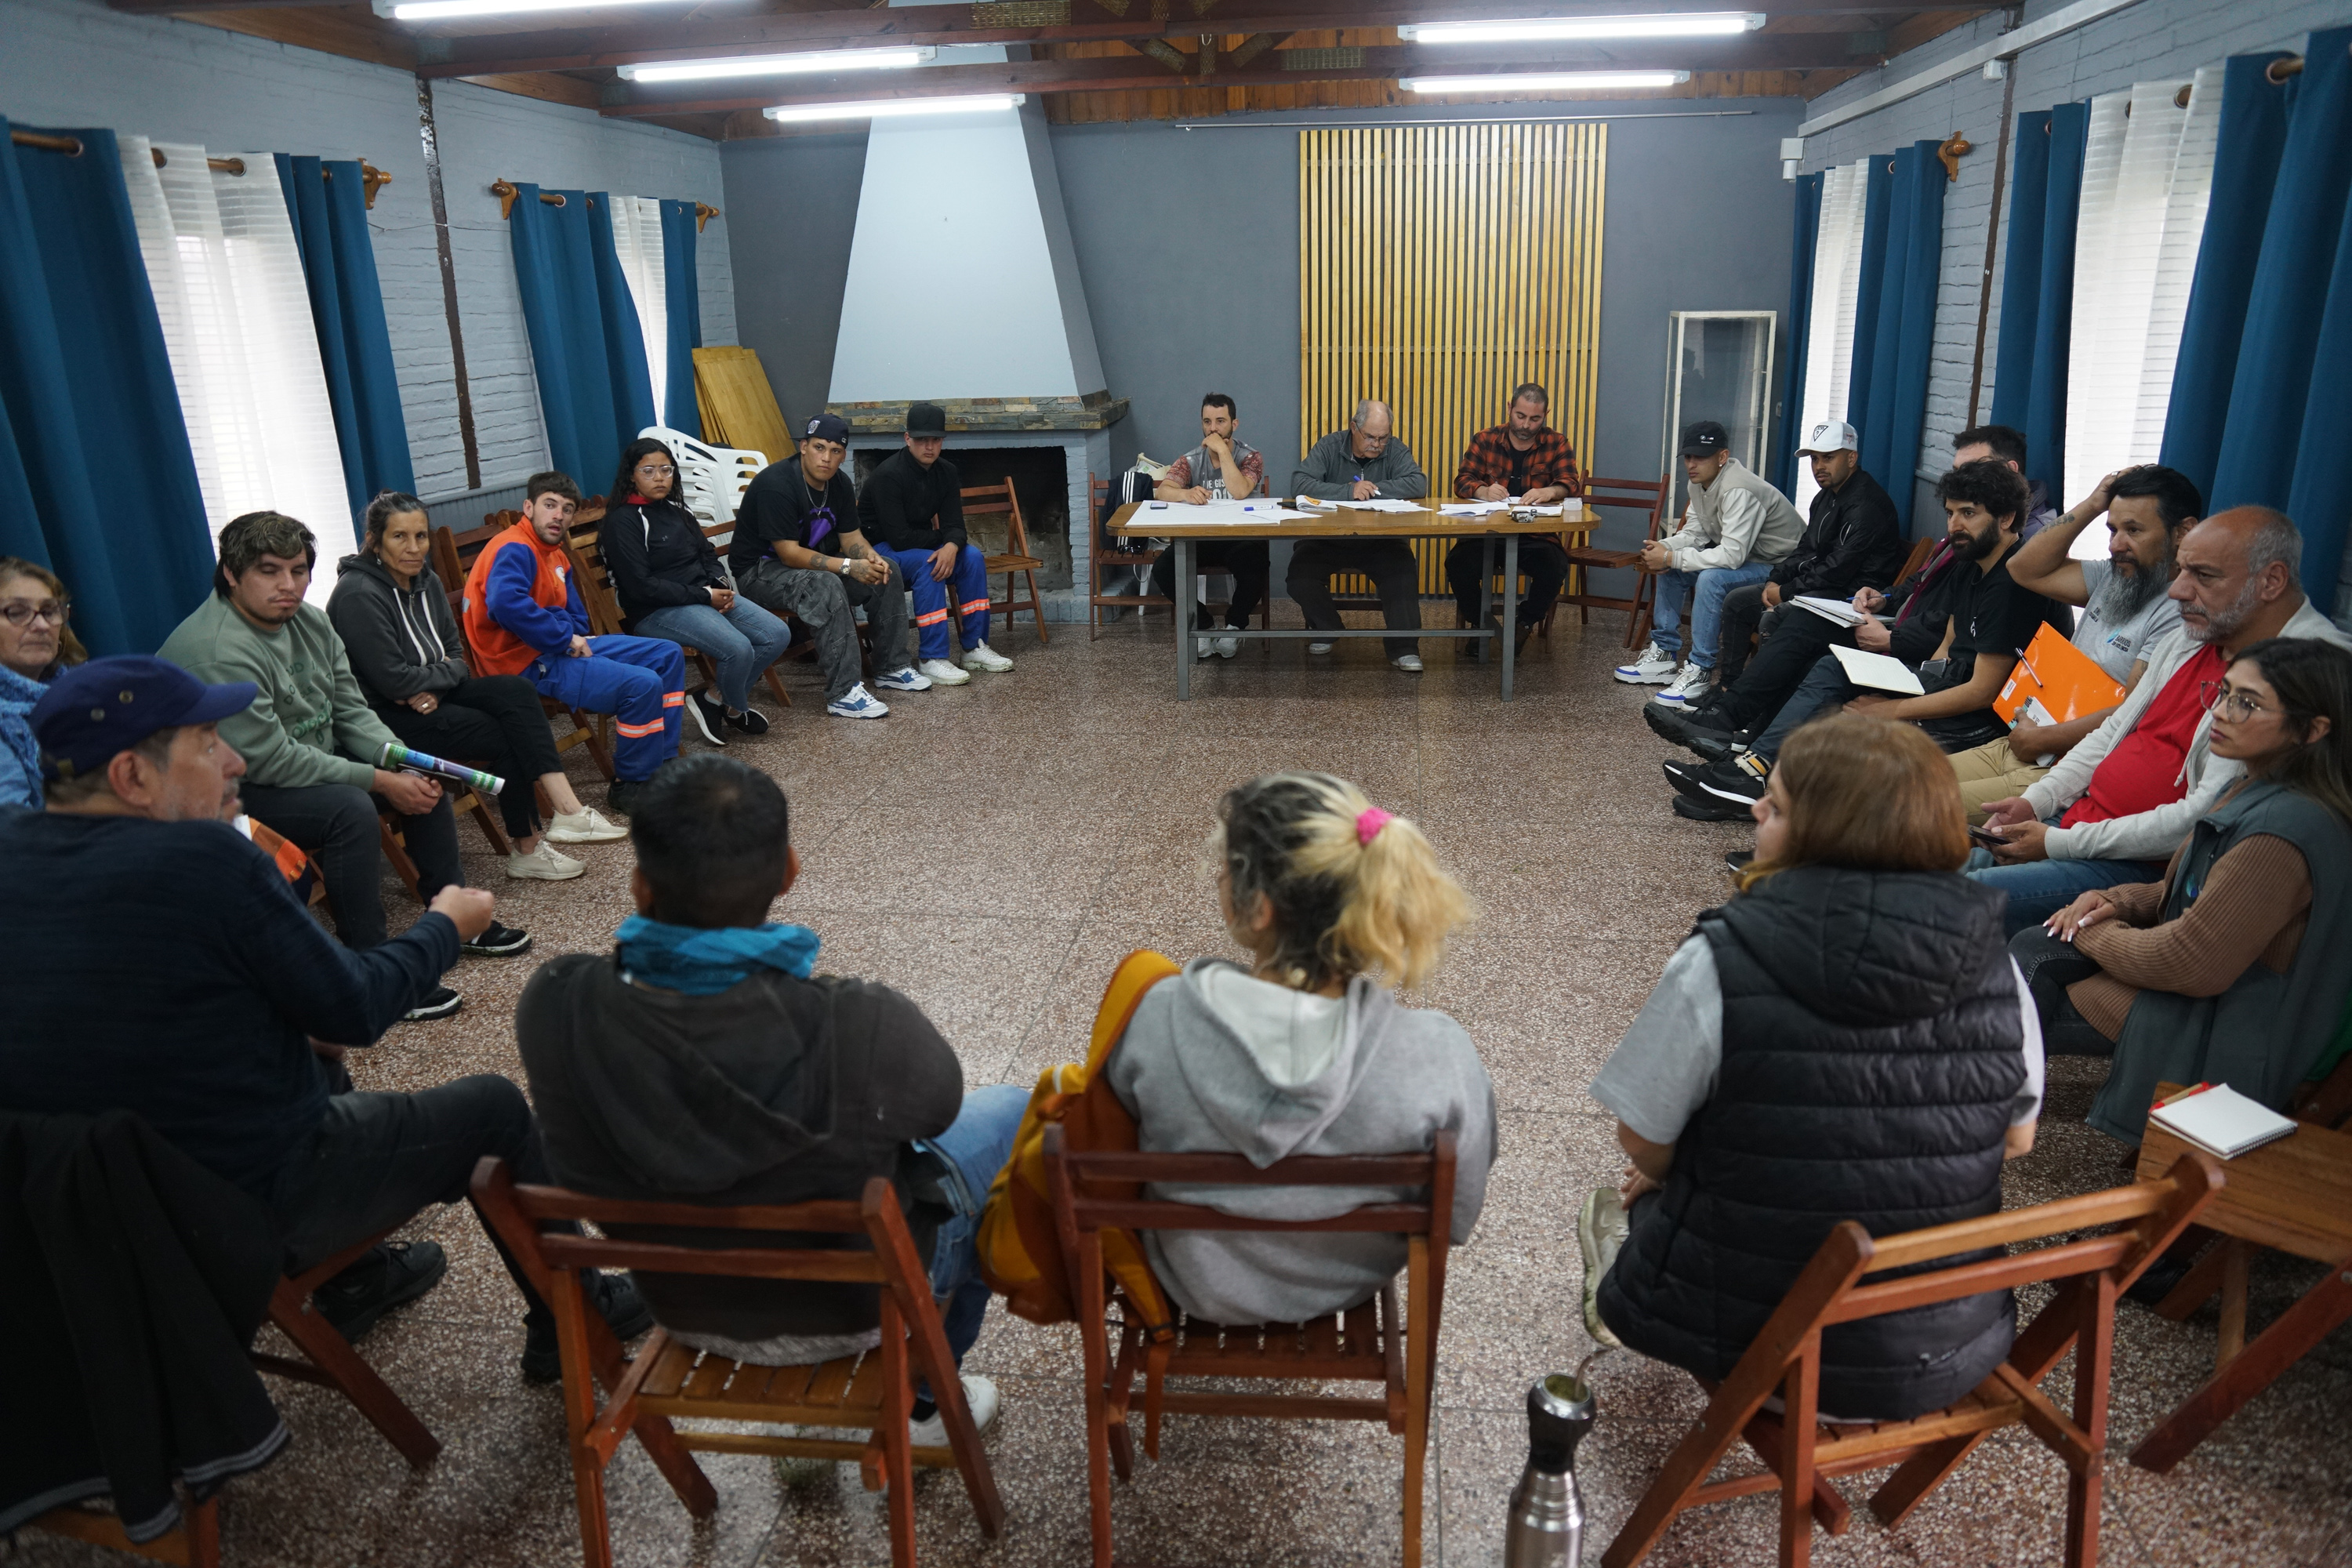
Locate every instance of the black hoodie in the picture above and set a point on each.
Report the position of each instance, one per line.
(401, 641)
(777, 1090)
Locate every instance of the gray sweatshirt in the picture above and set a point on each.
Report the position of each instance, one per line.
(401, 641)
(1217, 1061)
(1737, 519)
(1330, 472)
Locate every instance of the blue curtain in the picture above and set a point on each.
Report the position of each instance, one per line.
(93, 449)
(2245, 171)
(682, 289)
(1796, 330)
(586, 348)
(2320, 499)
(328, 205)
(2037, 290)
(1889, 398)
(1878, 191)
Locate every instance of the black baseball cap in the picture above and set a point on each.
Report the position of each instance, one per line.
(926, 419)
(1704, 439)
(109, 705)
(830, 428)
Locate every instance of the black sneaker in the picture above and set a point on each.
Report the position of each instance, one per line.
(390, 1275)
(1719, 748)
(437, 1003)
(1738, 860)
(1737, 782)
(498, 941)
(1683, 726)
(617, 1301)
(709, 715)
(751, 721)
(621, 795)
(1710, 810)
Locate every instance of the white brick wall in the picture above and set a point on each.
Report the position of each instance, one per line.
(75, 63)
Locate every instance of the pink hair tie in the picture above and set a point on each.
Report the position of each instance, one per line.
(1369, 822)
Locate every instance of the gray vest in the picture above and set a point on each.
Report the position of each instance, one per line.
(1209, 474)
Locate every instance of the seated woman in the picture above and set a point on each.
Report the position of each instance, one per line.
(1845, 1039)
(1302, 1051)
(36, 645)
(671, 587)
(410, 660)
(2222, 972)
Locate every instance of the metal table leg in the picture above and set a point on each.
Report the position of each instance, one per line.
(1486, 589)
(1187, 592)
(1510, 608)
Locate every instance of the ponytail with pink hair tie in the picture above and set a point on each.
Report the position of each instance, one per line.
(1369, 822)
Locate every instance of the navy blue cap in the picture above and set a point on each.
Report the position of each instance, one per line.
(830, 428)
(109, 705)
(1704, 439)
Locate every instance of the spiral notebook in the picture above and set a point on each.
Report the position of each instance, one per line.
(2221, 1120)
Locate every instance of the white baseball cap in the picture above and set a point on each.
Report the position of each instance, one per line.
(1831, 436)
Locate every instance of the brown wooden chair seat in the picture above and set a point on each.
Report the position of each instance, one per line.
(1647, 498)
(667, 1381)
(998, 500)
(453, 557)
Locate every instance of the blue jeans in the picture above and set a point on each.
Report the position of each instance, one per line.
(2040, 889)
(1824, 686)
(742, 641)
(1705, 590)
(975, 1147)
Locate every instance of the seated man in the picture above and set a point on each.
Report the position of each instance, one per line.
(798, 550)
(1222, 468)
(913, 509)
(1852, 541)
(1364, 462)
(1526, 460)
(1735, 529)
(2003, 445)
(524, 616)
(1986, 619)
(213, 1039)
(2119, 804)
(2125, 611)
(700, 1061)
(309, 739)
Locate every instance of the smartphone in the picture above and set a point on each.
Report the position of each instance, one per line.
(1986, 836)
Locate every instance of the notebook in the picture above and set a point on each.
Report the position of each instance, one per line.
(1837, 610)
(1878, 670)
(2061, 677)
(2221, 1120)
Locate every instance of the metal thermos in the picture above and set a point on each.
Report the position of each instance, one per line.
(1546, 1528)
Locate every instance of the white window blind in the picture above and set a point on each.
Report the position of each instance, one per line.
(1837, 282)
(638, 236)
(2175, 260)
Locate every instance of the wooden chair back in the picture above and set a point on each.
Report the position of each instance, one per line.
(1799, 1455)
(1647, 500)
(1112, 551)
(873, 1393)
(453, 554)
(1016, 559)
(1377, 1343)
(1920, 550)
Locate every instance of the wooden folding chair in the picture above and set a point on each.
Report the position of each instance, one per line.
(873, 1393)
(998, 500)
(453, 557)
(330, 1362)
(194, 1542)
(1645, 496)
(463, 801)
(1375, 1343)
(603, 601)
(1801, 1455)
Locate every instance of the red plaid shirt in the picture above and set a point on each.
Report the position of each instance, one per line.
(1491, 457)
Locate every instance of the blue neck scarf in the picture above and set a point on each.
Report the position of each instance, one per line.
(703, 962)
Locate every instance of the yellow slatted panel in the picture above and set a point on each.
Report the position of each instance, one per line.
(1441, 266)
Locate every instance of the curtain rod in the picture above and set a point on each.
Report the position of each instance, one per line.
(1486, 120)
(218, 165)
(508, 195)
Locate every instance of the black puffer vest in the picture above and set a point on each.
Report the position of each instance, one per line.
(1872, 1058)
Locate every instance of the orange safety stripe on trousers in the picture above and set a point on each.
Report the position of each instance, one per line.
(972, 607)
(932, 619)
(674, 699)
(639, 732)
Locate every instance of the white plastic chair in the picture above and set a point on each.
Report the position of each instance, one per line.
(710, 479)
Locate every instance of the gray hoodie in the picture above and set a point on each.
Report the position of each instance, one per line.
(401, 641)
(1216, 1061)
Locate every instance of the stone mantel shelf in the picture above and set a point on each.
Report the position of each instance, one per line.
(974, 416)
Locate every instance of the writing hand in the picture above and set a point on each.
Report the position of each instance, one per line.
(1491, 492)
(1197, 496)
(1363, 489)
(1867, 600)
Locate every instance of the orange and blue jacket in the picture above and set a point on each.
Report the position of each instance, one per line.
(521, 604)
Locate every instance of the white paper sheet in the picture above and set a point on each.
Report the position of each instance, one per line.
(1878, 671)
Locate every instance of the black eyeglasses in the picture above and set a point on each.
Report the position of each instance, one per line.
(23, 612)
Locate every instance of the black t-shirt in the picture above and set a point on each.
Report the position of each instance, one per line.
(1990, 615)
(777, 505)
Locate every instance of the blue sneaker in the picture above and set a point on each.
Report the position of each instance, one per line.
(906, 679)
(857, 704)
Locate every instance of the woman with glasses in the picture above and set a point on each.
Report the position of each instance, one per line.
(672, 586)
(36, 644)
(2231, 968)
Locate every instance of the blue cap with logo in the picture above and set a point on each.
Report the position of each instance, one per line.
(830, 428)
(109, 705)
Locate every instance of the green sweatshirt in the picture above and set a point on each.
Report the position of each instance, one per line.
(308, 720)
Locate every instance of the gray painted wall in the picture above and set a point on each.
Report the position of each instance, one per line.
(792, 212)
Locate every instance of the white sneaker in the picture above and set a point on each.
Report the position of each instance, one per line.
(1320, 647)
(1227, 648)
(544, 864)
(584, 826)
(979, 1393)
(1652, 667)
(939, 672)
(908, 679)
(857, 704)
(980, 656)
(1687, 687)
(1408, 662)
(1200, 647)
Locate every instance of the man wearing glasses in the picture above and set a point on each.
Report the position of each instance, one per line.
(2117, 805)
(1364, 462)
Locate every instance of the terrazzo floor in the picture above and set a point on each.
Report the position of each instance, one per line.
(991, 851)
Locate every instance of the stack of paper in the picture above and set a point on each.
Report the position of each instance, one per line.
(2221, 1120)
(1837, 610)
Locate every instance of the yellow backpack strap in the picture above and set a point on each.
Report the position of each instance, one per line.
(1138, 972)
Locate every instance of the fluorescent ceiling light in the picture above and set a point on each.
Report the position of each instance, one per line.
(1578, 29)
(778, 65)
(888, 107)
(1539, 81)
(452, 10)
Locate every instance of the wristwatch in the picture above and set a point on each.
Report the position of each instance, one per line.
(845, 565)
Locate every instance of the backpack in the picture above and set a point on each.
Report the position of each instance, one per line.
(1021, 1255)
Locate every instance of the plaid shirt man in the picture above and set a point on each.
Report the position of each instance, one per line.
(1491, 459)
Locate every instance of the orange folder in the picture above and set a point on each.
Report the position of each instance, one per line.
(2061, 676)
